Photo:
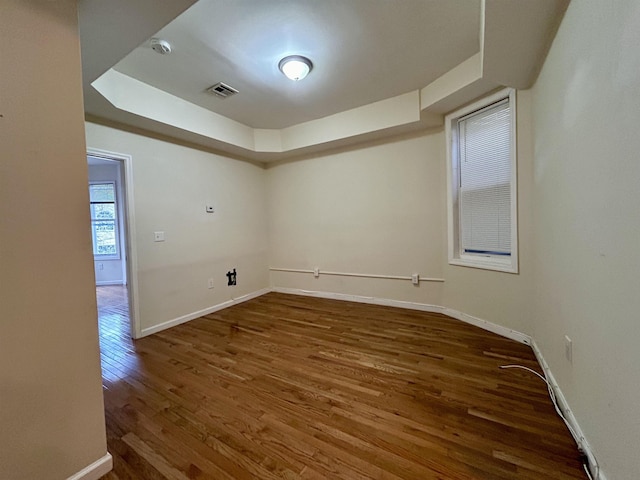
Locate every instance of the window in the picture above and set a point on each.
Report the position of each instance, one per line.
(481, 155)
(104, 221)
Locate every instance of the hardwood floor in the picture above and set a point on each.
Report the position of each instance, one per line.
(113, 327)
(294, 387)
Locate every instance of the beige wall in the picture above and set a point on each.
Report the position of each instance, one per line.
(381, 209)
(172, 185)
(587, 237)
(377, 209)
(51, 409)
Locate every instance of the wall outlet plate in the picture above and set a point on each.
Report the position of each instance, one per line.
(568, 348)
(210, 283)
(316, 272)
(415, 278)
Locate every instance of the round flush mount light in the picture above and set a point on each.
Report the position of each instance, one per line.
(160, 46)
(295, 67)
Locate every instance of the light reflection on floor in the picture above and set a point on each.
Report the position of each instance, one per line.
(117, 351)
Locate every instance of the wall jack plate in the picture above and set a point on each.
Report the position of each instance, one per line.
(316, 272)
(415, 278)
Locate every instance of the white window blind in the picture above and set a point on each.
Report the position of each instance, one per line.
(485, 180)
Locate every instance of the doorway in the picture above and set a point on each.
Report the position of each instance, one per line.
(110, 195)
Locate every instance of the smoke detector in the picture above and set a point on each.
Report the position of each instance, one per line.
(160, 46)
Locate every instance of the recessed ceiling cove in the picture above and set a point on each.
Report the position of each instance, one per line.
(363, 51)
(380, 67)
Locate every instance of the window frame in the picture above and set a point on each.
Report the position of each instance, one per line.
(501, 263)
(116, 221)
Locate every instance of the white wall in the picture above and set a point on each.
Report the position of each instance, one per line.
(377, 209)
(172, 185)
(587, 216)
(51, 408)
(111, 272)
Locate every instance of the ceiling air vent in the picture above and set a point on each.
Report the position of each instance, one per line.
(222, 90)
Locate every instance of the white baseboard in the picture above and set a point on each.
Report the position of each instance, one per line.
(424, 307)
(579, 436)
(489, 326)
(200, 313)
(97, 469)
(103, 283)
(360, 299)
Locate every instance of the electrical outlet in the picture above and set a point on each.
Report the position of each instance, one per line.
(568, 348)
(415, 278)
(316, 272)
(210, 283)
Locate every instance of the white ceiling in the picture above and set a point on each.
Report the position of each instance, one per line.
(363, 51)
(382, 67)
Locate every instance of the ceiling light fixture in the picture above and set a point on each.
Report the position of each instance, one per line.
(295, 67)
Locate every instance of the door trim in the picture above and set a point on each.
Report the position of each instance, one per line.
(126, 161)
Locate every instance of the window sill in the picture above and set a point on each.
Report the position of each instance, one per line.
(486, 263)
(100, 258)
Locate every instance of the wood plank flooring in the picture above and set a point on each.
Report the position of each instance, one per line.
(287, 387)
(113, 327)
